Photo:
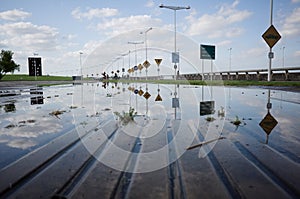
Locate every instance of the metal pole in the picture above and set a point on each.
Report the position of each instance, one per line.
(175, 42)
(146, 54)
(283, 56)
(270, 57)
(174, 8)
(129, 64)
(80, 53)
(175, 31)
(230, 59)
(135, 61)
(202, 69)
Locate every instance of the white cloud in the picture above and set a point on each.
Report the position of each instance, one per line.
(94, 13)
(215, 25)
(297, 53)
(26, 35)
(224, 43)
(295, 1)
(255, 52)
(150, 4)
(116, 26)
(291, 24)
(14, 15)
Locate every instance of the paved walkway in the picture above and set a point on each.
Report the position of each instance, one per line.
(240, 166)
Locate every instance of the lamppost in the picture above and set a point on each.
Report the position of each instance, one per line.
(230, 59)
(146, 48)
(135, 43)
(175, 55)
(283, 56)
(80, 53)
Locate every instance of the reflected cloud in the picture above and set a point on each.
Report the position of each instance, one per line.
(21, 143)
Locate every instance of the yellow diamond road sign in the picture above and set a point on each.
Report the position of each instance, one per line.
(271, 36)
(147, 95)
(268, 123)
(140, 67)
(141, 92)
(146, 64)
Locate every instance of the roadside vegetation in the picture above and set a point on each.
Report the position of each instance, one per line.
(218, 82)
(23, 77)
(16, 77)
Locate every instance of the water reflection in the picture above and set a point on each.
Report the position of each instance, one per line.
(268, 123)
(10, 107)
(37, 96)
(205, 109)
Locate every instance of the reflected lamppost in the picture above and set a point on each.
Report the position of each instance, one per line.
(145, 33)
(175, 55)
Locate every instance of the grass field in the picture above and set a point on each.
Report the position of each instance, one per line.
(191, 82)
(217, 82)
(32, 78)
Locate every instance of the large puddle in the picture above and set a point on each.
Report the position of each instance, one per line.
(36, 117)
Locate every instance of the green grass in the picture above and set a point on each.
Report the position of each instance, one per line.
(191, 82)
(219, 83)
(32, 78)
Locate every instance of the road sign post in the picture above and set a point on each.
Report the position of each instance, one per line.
(271, 36)
(208, 52)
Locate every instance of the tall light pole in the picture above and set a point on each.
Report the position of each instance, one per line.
(135, 43)
(283, 56)
(175, 56)
(230, 58)
(80, 53)
(145, 33)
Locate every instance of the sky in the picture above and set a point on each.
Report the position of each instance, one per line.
(59, 30)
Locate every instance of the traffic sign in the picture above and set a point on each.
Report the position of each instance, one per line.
(175, 102)
(268, 123)
(140, 67)
(147, 95)
(146, 64)
(175, 57)
(271, 36)
(207, 52)
(158, 98)
(158, 61)
(207, 108)
(141, 92)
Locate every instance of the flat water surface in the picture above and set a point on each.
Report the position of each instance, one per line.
(37, 116)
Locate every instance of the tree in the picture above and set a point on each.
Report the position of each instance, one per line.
(7, 65)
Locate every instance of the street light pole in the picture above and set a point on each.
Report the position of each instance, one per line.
(80, 53)
(175, 8)
(146, 48)
(230, 59)
(135, 43)
(270, 53)
(283, 56)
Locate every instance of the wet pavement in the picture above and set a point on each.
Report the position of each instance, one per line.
(132, 140)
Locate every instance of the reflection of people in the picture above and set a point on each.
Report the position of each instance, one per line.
(116, 76)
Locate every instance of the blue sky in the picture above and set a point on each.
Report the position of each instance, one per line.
(58, 30)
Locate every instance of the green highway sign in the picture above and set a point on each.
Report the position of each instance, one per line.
(207, 52)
